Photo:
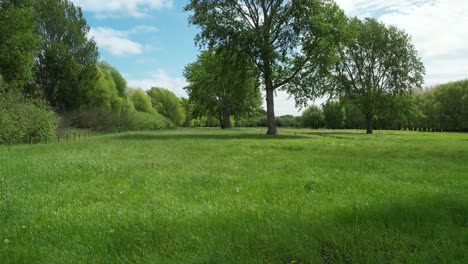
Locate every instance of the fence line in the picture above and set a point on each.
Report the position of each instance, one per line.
(57, 139)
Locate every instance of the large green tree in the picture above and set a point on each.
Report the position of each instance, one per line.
(222, 84)
(66, 56)
(378, 64)
(291, 42)
(18, 42)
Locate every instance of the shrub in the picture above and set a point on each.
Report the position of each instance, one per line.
(147, 121)
(21, 119)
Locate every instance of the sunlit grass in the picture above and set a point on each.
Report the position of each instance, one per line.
(212, 196)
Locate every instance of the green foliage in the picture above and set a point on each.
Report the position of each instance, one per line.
(148, 121)
(119, 80)
(293, 44)
(334, 114)
(167, 104)
(188, 110)
(17, 42)
(102, 92)
(65, 55)
(222, 84)
(377, 64)
(313, 117)
(354, 116)
(21, 119)
(141, 101)
(445, 107)
(287, 121)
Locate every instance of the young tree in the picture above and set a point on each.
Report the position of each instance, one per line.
(66, 56)
(378, 64)
(313, 117)
(334, 114)
(291, 42)
(167, 104)
(222, 84)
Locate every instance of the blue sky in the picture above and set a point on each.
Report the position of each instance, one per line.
(150, 41)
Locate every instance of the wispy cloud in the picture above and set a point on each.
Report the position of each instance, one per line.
(438, 30)
(134, 8)
(118, 42)
(162, 79)
(115, 41)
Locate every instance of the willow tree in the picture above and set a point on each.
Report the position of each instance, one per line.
(292, 43)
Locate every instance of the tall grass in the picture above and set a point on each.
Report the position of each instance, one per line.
(212, 196)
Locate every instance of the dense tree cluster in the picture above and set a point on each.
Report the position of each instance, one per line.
(50, 75)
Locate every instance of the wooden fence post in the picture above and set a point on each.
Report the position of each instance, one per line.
(30, 140)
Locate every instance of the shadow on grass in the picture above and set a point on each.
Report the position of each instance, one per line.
(428, 229)
(349, 135)
(142, 136)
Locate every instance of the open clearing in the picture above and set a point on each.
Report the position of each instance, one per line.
(212, 196)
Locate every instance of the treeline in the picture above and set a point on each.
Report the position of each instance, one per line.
(51, 77)
(440, 108)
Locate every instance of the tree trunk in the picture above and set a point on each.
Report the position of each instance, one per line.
(370, 128)
(271, 119)
(226, 119)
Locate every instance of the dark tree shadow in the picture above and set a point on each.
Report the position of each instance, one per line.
(212, 136)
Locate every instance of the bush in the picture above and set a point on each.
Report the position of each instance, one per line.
(21, 119)
(148, 121)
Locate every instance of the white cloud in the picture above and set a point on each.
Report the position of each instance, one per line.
(117, 42)
(437, 27)
(161, 79)
(134, 8)
(363, 8)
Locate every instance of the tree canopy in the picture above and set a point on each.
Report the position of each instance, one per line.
(18, 43)
(291, 43)
(378, 63)
(65, 53)
(167, 104)
(223, 84)
(334, 114)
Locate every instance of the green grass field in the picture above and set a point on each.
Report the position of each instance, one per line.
(212, 196)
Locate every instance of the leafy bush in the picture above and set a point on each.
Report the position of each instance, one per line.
(147, 121)
(21, 119)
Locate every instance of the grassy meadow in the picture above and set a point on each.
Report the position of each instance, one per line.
(238, 196)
